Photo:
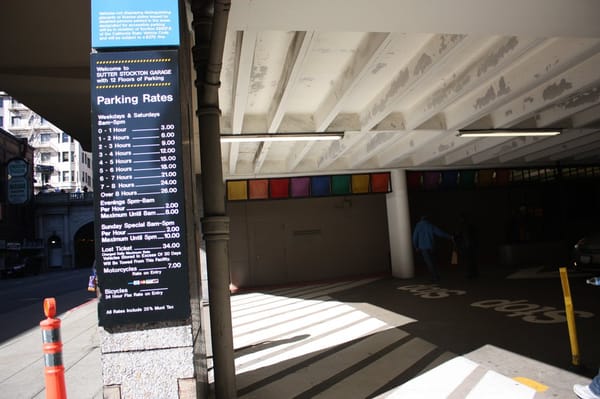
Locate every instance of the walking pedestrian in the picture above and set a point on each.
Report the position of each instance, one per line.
(424, 242)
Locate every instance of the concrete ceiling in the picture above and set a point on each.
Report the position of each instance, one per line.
(398, 77)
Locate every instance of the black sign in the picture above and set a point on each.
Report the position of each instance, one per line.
(141, 258)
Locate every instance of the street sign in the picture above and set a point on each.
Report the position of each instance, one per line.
(134, 23)
(18, 187)
(141, 259)
(18, 190)
(17, 167)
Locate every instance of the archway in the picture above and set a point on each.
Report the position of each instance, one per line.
(83, 245)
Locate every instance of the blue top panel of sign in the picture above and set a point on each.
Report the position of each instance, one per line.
(135, 23)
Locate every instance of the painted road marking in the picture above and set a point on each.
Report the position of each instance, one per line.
(538, 386)
(453, 379)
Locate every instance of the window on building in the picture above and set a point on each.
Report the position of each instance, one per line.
(16, 120)
(65, 156)
(1, 118)
(45, 137)
(46, 156)
(72, 156)
(65, 175)
(65, 138)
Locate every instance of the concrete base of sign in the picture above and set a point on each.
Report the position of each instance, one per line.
(155, 362)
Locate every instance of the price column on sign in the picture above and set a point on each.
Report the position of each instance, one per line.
(141, 257)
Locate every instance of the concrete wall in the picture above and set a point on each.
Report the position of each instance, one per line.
(63, 214)
(290, 241)
(296, 240)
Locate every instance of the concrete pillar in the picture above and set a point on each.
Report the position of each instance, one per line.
(163, 359)
(399, 227)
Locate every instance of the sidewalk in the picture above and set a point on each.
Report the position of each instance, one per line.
(22, 361)
(299, 342)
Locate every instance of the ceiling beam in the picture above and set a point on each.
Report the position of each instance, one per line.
(511, 99)
(294, 65)
(363, 61)
(505, 148)
(411, 77)
(437, 54)
(486, 149)
(590, 153)
(579, 101)
(551, 92)
(498, 54)
(566, 83)
(587, 117)
(541, 63)
(577, 152)
(244, 59)
(518, 149)
(297, 154)
(338, 148)
(468, 154)
(411, 141)
(578, 140)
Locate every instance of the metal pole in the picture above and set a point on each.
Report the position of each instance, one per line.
(564, 279)
(210, 24)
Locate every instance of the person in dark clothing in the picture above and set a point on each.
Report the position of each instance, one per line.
(465, 240)
(424, 242)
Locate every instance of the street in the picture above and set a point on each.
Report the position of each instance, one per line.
(357, 338)
(21, 299)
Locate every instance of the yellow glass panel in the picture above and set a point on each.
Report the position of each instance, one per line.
(360, 184)
(237, 190)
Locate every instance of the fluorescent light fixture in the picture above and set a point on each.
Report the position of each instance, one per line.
(254, 138)
(508, 133)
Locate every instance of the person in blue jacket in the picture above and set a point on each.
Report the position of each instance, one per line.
(423, 237)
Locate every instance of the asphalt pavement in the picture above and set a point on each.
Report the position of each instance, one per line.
(502, 334)
(521, 310)
(21, 298)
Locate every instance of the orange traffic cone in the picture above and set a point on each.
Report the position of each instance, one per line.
(54, 369)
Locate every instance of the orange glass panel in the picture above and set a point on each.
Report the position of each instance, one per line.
(258, 189)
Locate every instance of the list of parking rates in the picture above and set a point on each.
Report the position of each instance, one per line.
(141, 261)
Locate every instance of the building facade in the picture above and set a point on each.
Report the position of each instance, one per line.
(54, 227)
(60, 163)
(16, 219)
